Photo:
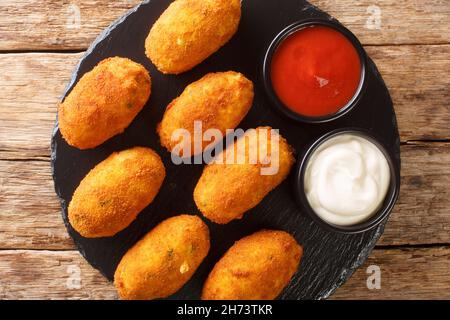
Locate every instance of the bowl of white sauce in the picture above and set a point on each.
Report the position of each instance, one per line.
(346, 181)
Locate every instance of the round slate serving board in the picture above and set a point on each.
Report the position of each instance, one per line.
(329, 258)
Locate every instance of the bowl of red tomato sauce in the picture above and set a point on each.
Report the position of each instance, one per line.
(314, 71)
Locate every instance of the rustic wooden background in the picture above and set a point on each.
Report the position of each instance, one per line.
(42, 40)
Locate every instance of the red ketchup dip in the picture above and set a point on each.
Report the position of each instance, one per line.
(316, 71)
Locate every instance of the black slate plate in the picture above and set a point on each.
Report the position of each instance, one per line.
(329, 258)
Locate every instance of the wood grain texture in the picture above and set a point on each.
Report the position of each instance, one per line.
(422, 214)
(31, 85)
(415, 76)
(405, 274)
(56, 24)
(73, 25)
(30, 213)
(401, 21)
(51, 274)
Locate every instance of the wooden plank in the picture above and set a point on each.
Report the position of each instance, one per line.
(30, 94)
(63, 25)
(422, 214)
(405, 274)
(400, 22)
(29, 98)
(50, 275)
(421, 95)
(56, 24)
(66, 275)
(30, 213)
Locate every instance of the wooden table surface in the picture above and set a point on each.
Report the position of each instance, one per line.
(40, 44)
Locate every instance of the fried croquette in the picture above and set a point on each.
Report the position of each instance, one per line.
(257, 267)
(104, 102)
(247, 171)
(219, 100)
(164, 260)
(189, 31)
(112, 194)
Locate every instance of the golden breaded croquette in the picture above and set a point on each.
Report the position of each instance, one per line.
(164, 260)
(257, 267)
(226, 190)
(219, 100)
(112, 194)
(189, 31)
(104, 102)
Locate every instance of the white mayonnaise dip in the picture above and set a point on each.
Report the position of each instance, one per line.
(346, 179)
